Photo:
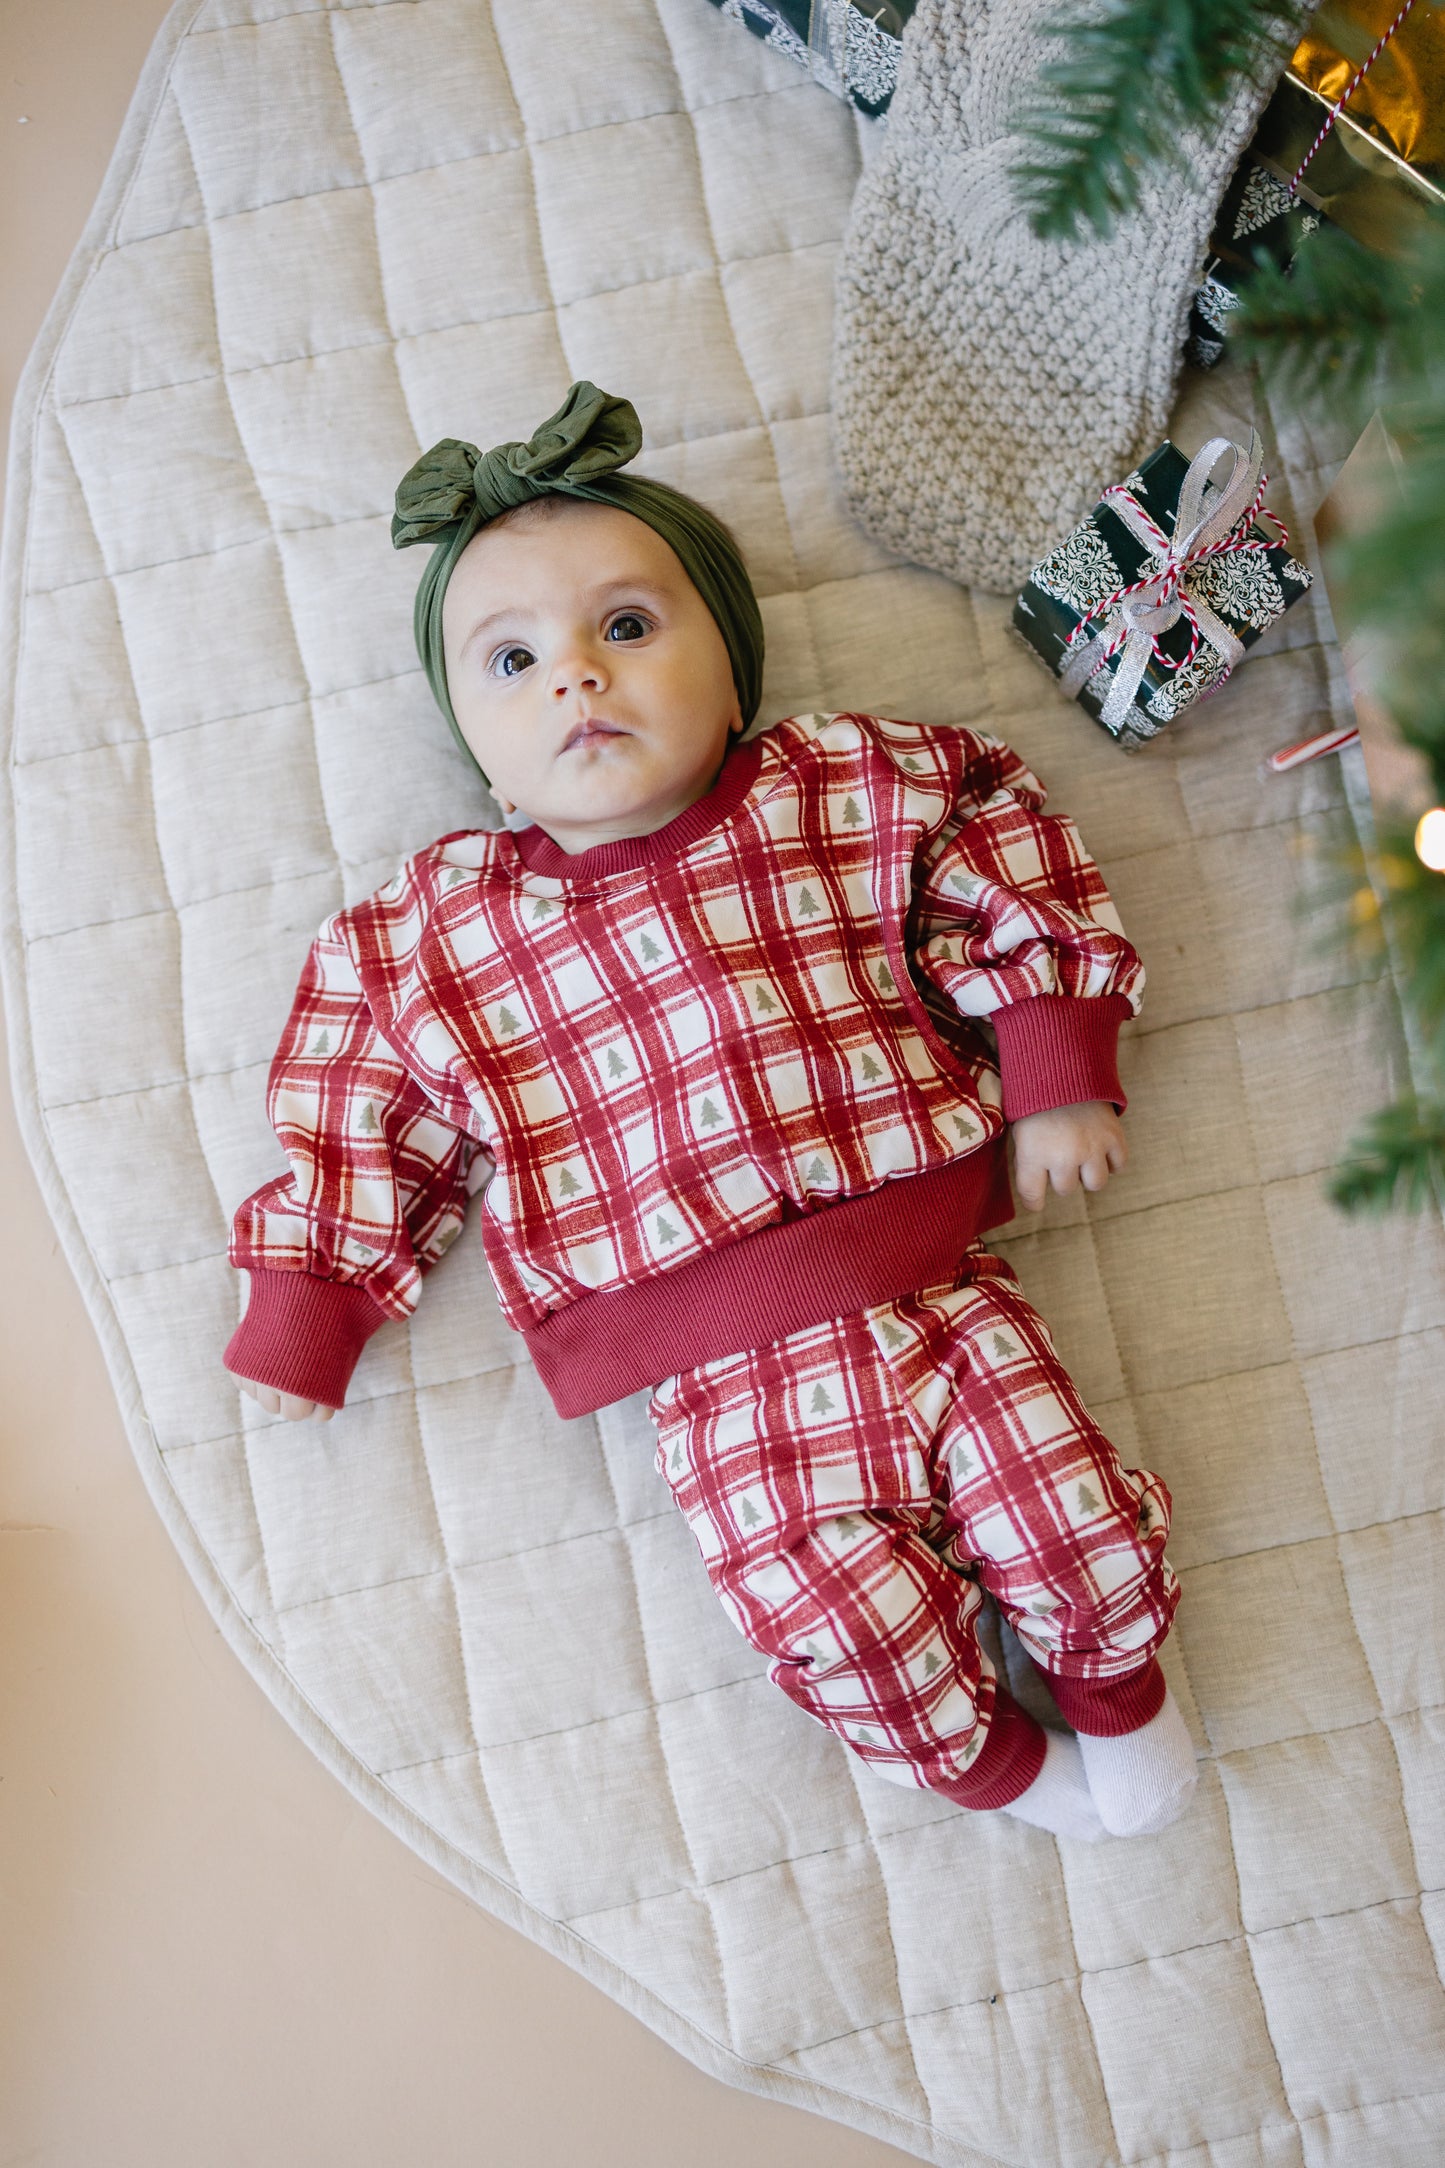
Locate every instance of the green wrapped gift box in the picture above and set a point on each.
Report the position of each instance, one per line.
(850, 46)
(1152, 599)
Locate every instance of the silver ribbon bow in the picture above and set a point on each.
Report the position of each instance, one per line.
(1206, 516)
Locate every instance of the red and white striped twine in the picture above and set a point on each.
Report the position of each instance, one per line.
(1173, 581)
(1347, 93)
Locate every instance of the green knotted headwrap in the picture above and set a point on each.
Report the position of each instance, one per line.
(454, 490)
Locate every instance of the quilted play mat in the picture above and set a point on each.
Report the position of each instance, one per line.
(332, 234)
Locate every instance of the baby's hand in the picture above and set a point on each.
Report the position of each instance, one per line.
(287, 1404)
(1066, 1146)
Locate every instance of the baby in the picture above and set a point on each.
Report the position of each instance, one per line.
(732, 1031)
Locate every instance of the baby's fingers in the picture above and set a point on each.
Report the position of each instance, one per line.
(1031, 1184)
(1095, 1172)
(293, 1408)
(1064, 1173)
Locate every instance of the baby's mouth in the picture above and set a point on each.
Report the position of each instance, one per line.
(591, 731)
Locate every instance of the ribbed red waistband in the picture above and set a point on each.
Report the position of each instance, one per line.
(908, 1233)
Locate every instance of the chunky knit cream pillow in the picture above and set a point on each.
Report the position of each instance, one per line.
(987, 385)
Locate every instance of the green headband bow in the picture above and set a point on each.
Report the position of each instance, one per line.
(454, 490)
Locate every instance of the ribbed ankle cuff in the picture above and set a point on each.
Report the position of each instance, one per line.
(1107, 1708)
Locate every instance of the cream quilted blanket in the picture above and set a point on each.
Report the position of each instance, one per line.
(331, 234)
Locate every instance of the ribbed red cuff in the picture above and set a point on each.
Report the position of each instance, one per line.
(302, 1335)
(1013, 1755)
(1107, 1708)
(1056, 1051)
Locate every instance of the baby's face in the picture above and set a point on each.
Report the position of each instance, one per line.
(587, 673)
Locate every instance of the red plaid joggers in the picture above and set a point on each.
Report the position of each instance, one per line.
(854, 1490)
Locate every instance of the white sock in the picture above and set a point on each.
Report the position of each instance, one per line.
(1141, 1782)
(1059, 1799)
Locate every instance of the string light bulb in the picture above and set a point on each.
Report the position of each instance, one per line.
(1430, 839)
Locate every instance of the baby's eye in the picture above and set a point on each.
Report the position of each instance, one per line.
(628, 625)
(512, 661)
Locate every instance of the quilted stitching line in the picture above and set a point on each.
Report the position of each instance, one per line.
(654, 1703)
(1081, 1998)
(440, 165)
(1103, 1972)
(218, 722)
(400, 339)
(169, 97)
(468, 1565)
(350, 519)
(854, 1770)
(1425, 1889)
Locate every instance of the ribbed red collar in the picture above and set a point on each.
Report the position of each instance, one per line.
(540, 854)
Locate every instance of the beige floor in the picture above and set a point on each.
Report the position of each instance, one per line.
(210, 1957)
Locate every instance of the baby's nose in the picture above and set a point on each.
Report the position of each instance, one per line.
(578, 673)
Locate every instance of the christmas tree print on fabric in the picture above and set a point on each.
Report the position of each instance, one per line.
(963, 1463)
(746, 1510)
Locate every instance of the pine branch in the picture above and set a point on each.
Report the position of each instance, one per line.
(1133, 74)
(1347, 327)
(1382, 906)
(1329, 327)
(1398, 1159)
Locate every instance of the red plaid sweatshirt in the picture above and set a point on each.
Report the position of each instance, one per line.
(720, 1082)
